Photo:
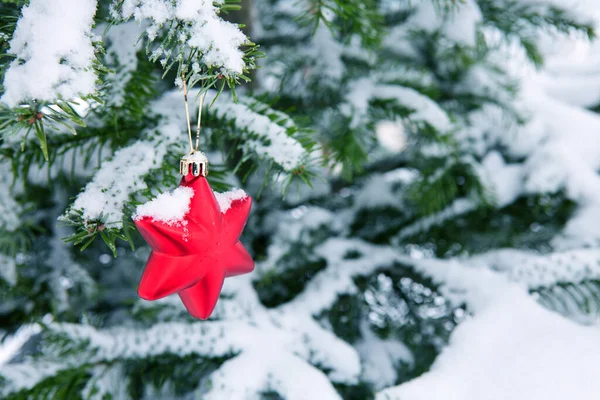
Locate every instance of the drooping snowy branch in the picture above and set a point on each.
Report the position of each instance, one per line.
(104, 198)
(200, 28)
(267, 138)
(422, 108)
(54, 52)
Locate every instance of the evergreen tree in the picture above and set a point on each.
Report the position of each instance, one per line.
(425, 195)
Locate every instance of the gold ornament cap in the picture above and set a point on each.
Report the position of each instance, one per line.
(197, 160)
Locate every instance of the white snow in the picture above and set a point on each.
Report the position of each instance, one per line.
(54, 57)
(458, 24)
(391, 135)
(8, 270)
(217, 40)
(273, 142)
(380, 357)
(506, 181)
(461, 23)
(226, 198)
(168, 207)
(11, 344)
(512, 348)
(376, 192)
(105, 196)
(364, 90)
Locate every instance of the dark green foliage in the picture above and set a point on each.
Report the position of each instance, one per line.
(361, 391)
(443, 181)
(279, 286)
(66, 385)
(352, 17)
(183, 373)
(378, 225)
(345, 317)
(529, 222)
(271, 395)
(413, 312)
(398, 303)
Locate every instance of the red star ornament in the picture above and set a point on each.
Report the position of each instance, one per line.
(193, 258)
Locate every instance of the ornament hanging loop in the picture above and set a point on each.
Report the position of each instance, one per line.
(196, 161)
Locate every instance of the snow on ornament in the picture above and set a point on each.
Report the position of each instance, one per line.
(194, 234)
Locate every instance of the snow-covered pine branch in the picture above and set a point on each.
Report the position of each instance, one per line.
(263, 132)
(288, 350)
(192, 34)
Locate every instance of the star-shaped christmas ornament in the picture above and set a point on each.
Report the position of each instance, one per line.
(194, 234)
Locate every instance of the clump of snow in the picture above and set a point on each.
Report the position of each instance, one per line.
(53, 45)
(461, 23)
(168, 207)
(105, 196)
(272, 372)
(505, 180)
(11, 344)
(226, 198)
(377, 192)
(579, 232)
(391, 135)
(217, 40)
(8, 270)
